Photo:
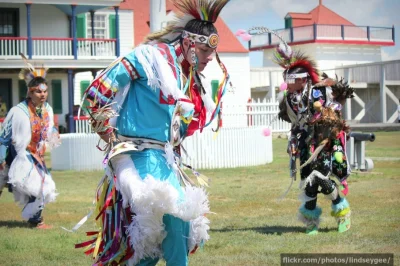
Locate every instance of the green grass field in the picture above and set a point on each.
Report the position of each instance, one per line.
(249, 227)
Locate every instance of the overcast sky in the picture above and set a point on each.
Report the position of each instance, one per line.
(243, 14)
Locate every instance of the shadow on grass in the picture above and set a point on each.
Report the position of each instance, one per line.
(270, 230)
(15, 224)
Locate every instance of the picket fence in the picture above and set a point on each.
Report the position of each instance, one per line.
(257, 113)
(231, 147)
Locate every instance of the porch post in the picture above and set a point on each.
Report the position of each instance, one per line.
(382, 94)
(315, 31)
(94, 72)
(393, 38)
(28, 29)
(70, 26)
(342, 31)
(74, 40)
(117, 45)
(347, 77)
(71, 122)
(93, 50)
(272, 85)
(291, 34)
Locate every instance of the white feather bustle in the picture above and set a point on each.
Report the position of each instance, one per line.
(198, 232)
(150, 200)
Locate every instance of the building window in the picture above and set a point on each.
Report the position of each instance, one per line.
(9, 22)
(100, 26)
(288, 22)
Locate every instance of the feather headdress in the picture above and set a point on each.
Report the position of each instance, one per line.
(295, 60)
(285, 56)
(30, 72)
(202, 10)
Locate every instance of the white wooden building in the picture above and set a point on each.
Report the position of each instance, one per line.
(326, 37)
(66, 36)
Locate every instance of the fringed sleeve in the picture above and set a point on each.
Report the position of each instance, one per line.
(107, 92)
(53, 137)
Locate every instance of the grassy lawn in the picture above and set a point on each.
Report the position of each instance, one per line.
(249, 227)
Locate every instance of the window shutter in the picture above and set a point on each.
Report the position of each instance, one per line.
(22, 90)
(56, 95)
(84, 85)
(81, 26)
(214, 86)
(111, 24)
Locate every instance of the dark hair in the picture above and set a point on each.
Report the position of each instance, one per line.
(36, 82)
(200, 27)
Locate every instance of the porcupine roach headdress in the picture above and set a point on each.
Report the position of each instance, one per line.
(286, 57)
(30, 73)
(195, 21)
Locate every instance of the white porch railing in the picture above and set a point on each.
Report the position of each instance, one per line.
(232, 147)
(96, 47)
(57, 48)
(315, 32)
(11, 47)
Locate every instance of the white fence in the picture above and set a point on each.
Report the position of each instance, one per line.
(255, 114)
(232, 147)
(77, 152)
